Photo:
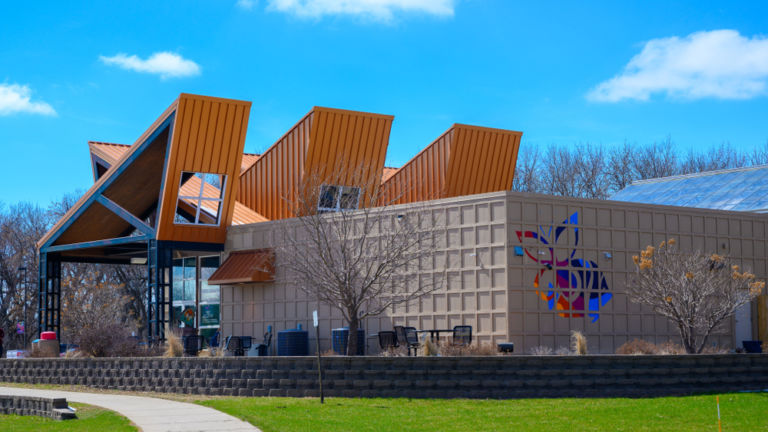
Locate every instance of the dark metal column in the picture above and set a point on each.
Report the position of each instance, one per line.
(159, 289)
(49, 293)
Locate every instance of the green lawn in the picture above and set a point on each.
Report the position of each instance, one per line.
(740, 412)
(89, 418)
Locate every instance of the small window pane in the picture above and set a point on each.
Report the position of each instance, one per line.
(328, 197)
(201, 196)
(349, 198)
(178, 290)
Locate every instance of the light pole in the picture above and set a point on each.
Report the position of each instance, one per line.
(24, 336)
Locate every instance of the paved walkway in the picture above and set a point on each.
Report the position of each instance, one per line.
(149, 414)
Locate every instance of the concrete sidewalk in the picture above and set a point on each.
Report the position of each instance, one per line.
(149, 414)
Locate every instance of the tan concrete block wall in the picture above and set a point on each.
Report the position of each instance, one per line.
(473, 255)
(490, 288)
(621, 230)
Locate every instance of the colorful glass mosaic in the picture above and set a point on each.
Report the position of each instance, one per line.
(579, 286)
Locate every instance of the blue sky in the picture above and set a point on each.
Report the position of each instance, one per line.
(562, 73)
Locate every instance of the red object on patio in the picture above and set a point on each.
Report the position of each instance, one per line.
(48, 335)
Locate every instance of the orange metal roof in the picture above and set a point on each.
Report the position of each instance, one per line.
(464, 160)
(111, 152)
(125, 155)
(244, 267)
(325, 142)
(248, 160)
(387, 173)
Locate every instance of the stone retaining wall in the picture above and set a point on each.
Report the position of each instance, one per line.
(418, 377)
(55, 408)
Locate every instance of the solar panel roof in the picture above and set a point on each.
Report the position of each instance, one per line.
(738, 189)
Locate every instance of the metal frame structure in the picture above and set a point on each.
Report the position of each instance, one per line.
(159, 289)
(49, 283)
(129, 215)
(49, 293)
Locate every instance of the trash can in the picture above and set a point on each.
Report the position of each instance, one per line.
(340, 338)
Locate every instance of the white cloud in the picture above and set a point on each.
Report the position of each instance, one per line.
(16, 98)
(720, 64)
(166, 64)
(245, 4)
(383, 10)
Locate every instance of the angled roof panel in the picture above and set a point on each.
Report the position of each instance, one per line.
(326, 143)
(126, 159)
(248, 160)
(464, 160)
(738, 189)
(208, 137)
(111, 152)
(245, 267)
(387, 173)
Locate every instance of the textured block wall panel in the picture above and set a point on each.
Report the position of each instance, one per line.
(55, 408)
(498, 377)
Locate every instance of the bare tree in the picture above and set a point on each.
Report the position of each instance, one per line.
(91, 298)
(759, 156)
(620, 168)
(559, 170)
(697, 292)
(132, 280)
(656, 160)
(21, 225)
(590, 175)
(119, 291)
(716, 158)
(527, 172)
(364, 257)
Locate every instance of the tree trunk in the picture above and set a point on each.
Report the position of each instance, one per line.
(354, 323)
(686, 338)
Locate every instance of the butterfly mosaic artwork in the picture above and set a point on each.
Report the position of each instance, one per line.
(579, 287)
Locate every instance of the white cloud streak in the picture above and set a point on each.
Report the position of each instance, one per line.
(245, 4)
(380, 10)
(15, 99)
(718, 64)
(166, 64)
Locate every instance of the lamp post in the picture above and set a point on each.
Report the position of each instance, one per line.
(24, 336)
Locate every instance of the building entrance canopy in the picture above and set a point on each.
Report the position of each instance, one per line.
(170, 193)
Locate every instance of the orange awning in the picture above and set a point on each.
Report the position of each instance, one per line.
(244, 267)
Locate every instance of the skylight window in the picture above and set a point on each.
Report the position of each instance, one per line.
(338, 198)
(201, 198)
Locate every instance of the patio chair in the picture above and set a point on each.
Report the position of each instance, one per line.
(233, 346)
(213, 342)
(387, 340)
(262, 349)
(400, 338)
(412, 340)
(462, 335)
(246, 342)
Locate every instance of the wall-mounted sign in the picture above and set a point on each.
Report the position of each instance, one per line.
(209, 315)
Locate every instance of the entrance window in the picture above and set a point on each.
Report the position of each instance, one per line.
(195, 303)
(209, 294)
(338, 198)
(185, 291)
(201, 198)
